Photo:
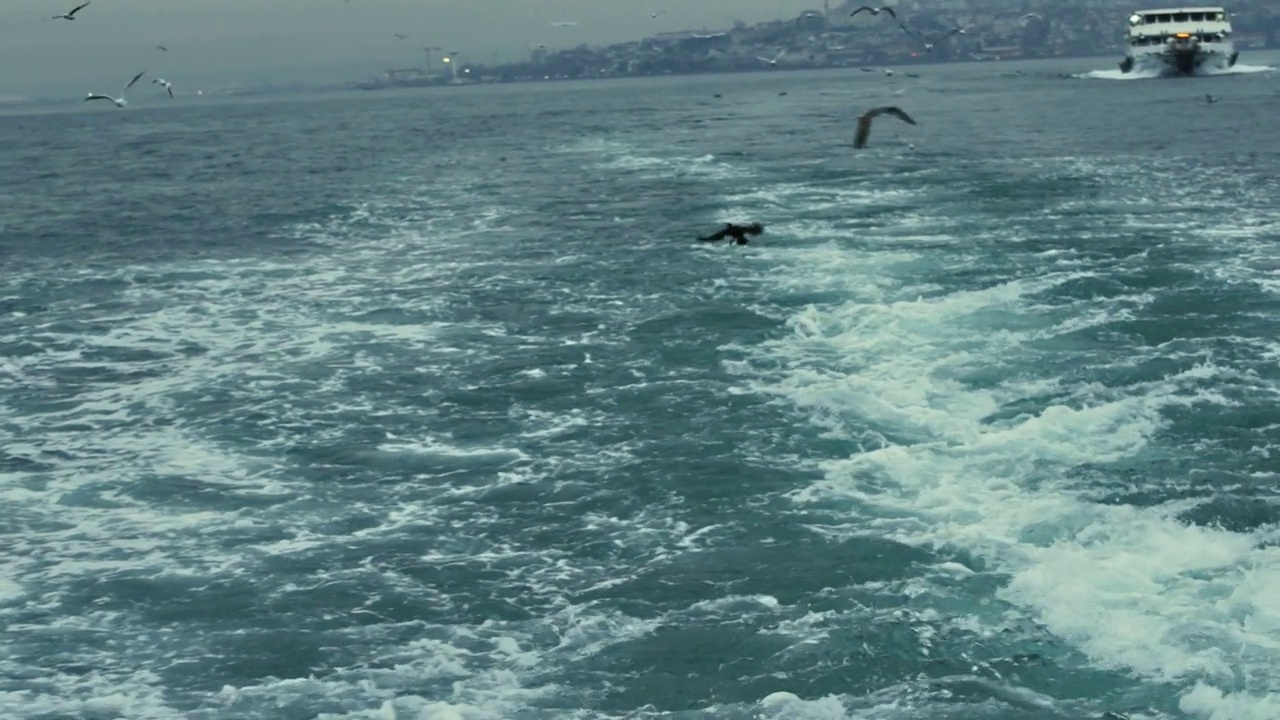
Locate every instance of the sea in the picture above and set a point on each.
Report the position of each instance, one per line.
(428, 404)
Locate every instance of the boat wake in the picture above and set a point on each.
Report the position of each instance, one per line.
(1239, 69)
(1116, 74)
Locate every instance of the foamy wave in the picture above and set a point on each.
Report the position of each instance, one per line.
(1151, 74)
(1135, 588)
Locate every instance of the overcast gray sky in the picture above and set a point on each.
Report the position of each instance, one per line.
(247, 42)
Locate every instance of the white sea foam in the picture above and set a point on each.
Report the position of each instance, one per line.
(1152, 74)
(187, 474)
(1135, 588)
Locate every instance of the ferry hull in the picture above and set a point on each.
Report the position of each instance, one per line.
(1180, 61)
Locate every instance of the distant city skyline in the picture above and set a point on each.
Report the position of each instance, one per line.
(249, 42)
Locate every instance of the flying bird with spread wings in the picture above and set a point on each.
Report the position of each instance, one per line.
(928, 44)
(864, 122)
(774, 61)
(875, 11)
(120, 101)
(70, 15)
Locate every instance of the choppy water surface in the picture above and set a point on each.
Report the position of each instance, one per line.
(425, 405)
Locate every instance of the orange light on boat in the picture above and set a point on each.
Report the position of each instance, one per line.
(1183, 36)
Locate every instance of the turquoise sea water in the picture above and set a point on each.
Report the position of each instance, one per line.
(427, 405)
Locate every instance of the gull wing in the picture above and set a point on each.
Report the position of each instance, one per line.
(135, 79)
(898, 113)
(864, 122)
(77, 9)
(911, 32)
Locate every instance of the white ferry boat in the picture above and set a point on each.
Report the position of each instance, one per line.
(1179, 41)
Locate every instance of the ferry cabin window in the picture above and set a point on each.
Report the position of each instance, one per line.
(1151, 19)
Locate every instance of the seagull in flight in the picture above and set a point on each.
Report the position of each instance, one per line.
(120, 101)
(400, 37)
(163, 48)
(164, 84)
(864, 122)
(928, 46)
(1210, 98)
(776, 58)
(71, 15)
(567, 23)
(875, 11)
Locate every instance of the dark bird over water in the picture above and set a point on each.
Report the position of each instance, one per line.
(739, 233)
(864, 122)
(1210, 98)
(71, 15)
(875, 11)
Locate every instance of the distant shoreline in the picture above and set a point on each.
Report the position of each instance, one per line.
(15, 105)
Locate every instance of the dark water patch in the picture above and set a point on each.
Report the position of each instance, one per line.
(94, 495)
(174, 278)
(86, 376)
(715, 318)
(21, 349)
(540, 494)
(10, 462)
(1234, 513)
(1091, 287)
(10, 306)
(1142, 482)
(388, 316)
(123, 354)
(362, 462)
(767, 570)
(683, 667)
(197, 492)
(250, 658)
(165, 598)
